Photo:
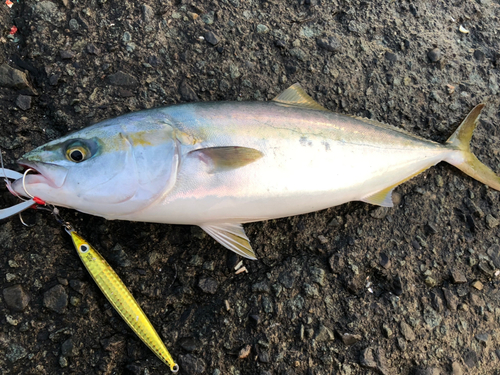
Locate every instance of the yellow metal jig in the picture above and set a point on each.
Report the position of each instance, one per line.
(120, 297)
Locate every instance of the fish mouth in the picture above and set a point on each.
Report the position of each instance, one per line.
(43, 173)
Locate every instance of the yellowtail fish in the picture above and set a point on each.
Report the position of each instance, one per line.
(122, 300)
(218, 165)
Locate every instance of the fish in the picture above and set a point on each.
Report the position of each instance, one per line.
(120, 298)
(219, 165)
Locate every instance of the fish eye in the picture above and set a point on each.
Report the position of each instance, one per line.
(77, 154)
(84, 248)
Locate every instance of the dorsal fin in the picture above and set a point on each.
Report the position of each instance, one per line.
(297, 97)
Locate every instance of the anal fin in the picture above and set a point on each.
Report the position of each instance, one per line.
(381, 198)
(231, 236)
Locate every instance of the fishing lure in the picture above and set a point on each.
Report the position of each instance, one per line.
(120, 297)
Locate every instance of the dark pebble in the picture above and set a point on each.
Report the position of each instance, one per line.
(261, 287)
(122, 79)
(255, 318)
(434, 55)
(392, 57)
(119, 257)
(23, 102)
(398, 285)
(290, 67)
(479, 55)
(124, 93)
(286, 279)
(494, 254)
(154, 60)
(93, 50)
(280, 43)
(16, 298)
(54, 79)
(264, 357)
(211, 38)
(68, 348)
(458, 277)
(187, 93)
(188, 344)
(331, 44)
(191, 365)
(66, 55)
(486, 268)
(470, 358)
(78, 286)
(208, 285)
(385, 261)
(56, 299)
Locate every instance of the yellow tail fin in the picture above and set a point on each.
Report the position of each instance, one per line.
(469, 163)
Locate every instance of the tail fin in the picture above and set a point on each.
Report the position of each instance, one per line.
(468, 162)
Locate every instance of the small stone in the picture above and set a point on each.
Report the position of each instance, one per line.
(456, 369)
(16, 298)
(385, 262)
(298, 53)
(491, 221)
(262, 29)
(430, 282)
(486, 267)
(379, 212)
(56, 299)
(23, 102)
(73, 25)
(331, 44)
(244, 352)
(122, 79)
(494, 254)
(317, 275)
(479, 55)
(191, 365)
(324, 334)
(93, 50)
(208, 285)
(457, 276)
(264, 357)
(189, 344)
(54, 79)
(66, 55)
(113, 343)
(434, 54)
(68, 348)
(119, 257)
(407, 331)
(401, 344)
(387, 330)
(261, 287)
(350, 339)
(15, 353)
(470, 358)
(187, 93)
(483, 339)
(392, 57)
(234, 72)
(63, 362)
(208, 18)
(374, 358)
(12, 78)
(147, 13)
(477, 285)
(211, 38)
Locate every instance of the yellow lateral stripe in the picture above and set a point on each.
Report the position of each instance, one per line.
(121, 299)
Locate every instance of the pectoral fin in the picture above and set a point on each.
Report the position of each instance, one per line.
(220, 159)
(231, 236)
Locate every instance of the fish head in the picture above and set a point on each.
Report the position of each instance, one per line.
(106, 170)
